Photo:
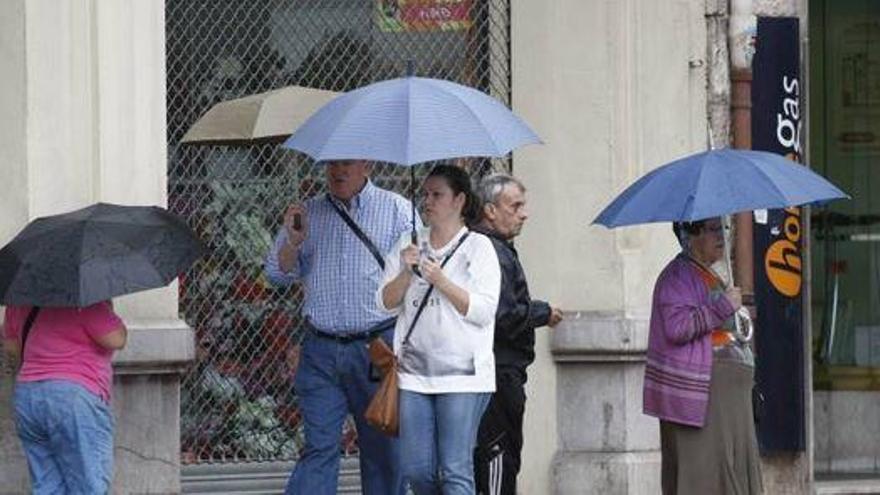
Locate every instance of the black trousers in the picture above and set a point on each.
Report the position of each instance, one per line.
(500, 439)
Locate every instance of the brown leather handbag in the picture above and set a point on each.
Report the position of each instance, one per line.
(382, 413)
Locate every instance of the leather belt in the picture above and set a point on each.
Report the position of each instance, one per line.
(347, 338)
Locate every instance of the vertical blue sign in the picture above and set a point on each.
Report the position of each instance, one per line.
(778, 245)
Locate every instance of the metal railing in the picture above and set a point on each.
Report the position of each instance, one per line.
(237, 400)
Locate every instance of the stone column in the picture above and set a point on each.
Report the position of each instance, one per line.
(607, 443)
(84, 121)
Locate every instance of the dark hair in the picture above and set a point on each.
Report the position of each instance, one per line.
(689, 228)
(460, 182)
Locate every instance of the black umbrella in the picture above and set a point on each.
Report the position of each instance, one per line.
(94, 254)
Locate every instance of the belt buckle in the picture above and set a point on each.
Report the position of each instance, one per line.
(346, 338)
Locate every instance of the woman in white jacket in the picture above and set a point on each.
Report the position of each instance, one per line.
(446, 365)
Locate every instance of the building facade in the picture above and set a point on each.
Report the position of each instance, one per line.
(97, 94)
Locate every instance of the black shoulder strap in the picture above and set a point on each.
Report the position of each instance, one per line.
(412, 324)
(26, 329)
(358, 232)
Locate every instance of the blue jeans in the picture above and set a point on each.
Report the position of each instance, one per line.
(332, 380)
(438, 434)
(67, 435)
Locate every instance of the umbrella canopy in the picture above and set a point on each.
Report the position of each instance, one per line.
(411, 120)
(264, 117)
(716, 183)
(94, 254)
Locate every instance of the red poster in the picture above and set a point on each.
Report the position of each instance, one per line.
(423, 15)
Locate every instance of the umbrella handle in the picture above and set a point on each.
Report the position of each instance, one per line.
(744, 319)
(415, 240)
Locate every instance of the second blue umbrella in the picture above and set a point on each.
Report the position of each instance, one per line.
(716, 183)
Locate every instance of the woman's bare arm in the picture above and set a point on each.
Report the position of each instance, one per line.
(113, 340)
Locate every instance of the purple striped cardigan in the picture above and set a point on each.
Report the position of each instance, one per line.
(679, 360)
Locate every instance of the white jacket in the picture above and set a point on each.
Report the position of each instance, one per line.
(448, 352)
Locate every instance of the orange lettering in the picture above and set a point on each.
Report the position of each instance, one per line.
(783, 265)
(792, 229)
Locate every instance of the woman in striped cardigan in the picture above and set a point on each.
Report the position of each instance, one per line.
(699, 373)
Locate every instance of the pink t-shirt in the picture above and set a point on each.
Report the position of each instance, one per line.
(60, 345)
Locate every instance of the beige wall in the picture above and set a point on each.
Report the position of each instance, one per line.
(13, 106)
(84, 114)
(614, 89)
(612, 94)
(83, 105)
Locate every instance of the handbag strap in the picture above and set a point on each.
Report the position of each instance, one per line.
(412, 324)
(26, 329)
(357, 231)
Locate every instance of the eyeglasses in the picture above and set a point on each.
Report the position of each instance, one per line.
(715, 229)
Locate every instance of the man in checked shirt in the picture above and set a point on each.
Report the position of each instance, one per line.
(341, 275)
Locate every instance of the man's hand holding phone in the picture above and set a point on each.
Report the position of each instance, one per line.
(296, 225)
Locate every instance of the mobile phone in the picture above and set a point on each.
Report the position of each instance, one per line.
(297, 221)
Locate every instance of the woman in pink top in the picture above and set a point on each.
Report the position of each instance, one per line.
(62, 394)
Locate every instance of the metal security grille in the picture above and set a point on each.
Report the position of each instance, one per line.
(237, 402)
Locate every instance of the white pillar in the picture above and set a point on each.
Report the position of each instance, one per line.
(84, 121)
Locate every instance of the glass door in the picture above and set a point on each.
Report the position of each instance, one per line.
(844, 140)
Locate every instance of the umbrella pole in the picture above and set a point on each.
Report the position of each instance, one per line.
(412, 202)
(414, 238)
(728, 265)
(725, 223)
(410, 72)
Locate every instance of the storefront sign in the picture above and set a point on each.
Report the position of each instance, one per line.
(423, 15)
(858, 100)
(778, 242)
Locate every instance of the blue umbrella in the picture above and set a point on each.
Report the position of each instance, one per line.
(716, 183)
(411, 120)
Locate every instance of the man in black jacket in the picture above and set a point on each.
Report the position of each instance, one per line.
(500, 440)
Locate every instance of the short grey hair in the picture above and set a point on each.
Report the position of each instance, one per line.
(491, 186)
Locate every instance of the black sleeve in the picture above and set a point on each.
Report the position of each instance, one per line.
(512, 316)
(539, 314)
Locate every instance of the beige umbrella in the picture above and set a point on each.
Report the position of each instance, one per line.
(263, 117)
